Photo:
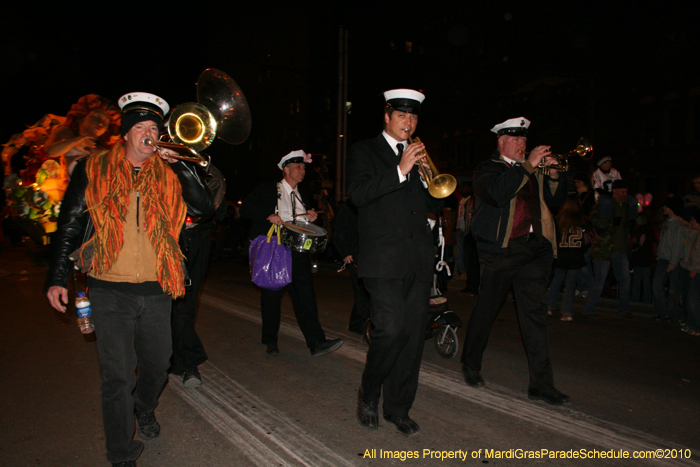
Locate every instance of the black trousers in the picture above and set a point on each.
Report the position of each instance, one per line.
(525, 266)
(131, 331)
(303, 297)
(188, 351)
(471, 262)
(399, 313)
(361, 309)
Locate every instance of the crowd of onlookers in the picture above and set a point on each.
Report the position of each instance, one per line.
(654, 254)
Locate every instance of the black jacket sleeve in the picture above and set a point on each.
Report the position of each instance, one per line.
(196, 195)
(71, 231)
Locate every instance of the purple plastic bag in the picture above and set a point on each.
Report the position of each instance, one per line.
(270, 261)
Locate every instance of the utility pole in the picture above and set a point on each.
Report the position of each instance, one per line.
(341, 136)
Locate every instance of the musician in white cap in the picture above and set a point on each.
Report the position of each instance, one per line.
(278, 203)
(129, 204)
(396, 246)
(515, 235)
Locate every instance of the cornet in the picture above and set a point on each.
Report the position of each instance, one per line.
(584, 149)
(439, 185)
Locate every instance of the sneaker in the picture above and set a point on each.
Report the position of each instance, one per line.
(148, 425)
(191, 378)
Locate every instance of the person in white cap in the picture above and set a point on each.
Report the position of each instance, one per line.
(396, 246)
(275, 203)
(515, 234)
(604, 176)
(136, 204)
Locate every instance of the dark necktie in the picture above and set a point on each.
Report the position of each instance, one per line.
(400, 148)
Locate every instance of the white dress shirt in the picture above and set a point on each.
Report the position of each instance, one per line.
(284, 204)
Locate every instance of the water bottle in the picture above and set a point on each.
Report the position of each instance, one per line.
(82, 305)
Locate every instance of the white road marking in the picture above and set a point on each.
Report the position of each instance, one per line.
(561, 420)
(264, 434)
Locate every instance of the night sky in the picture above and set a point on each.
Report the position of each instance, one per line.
(467, 58)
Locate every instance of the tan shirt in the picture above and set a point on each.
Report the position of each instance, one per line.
(136, 262)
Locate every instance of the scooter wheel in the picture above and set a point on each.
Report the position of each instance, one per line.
(446, 342)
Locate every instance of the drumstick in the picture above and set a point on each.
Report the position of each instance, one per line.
(305, 213)
(297, 227)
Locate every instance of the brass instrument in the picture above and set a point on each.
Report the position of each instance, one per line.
(222, 111)
(584, 149)
(439, 185)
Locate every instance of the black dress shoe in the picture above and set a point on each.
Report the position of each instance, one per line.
(272, 350)
(551, 396)
(472, 377)
(326, 346)
(406, 425)
(367, 413)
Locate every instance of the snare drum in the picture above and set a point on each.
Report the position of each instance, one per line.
(303, 241)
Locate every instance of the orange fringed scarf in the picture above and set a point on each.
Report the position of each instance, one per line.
(111, 178)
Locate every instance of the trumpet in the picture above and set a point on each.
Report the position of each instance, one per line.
(584, 149)
(439, 185)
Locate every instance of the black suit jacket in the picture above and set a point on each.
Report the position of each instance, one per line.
(262, 202)
(393, 216)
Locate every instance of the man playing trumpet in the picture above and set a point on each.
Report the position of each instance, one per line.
(396, 245)
(515, 234)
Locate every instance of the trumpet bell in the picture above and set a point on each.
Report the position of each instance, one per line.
(442, 186)
(193, 125)
(584, 148)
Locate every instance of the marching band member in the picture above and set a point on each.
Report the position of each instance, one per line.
(278, 202)
(396, 245)
(137, 205)
(516, 238)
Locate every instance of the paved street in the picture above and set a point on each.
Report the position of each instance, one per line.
(634, 383)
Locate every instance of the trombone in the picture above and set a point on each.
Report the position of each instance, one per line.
(221, 111)
(192, 129)
(584, 149)
(439, 185)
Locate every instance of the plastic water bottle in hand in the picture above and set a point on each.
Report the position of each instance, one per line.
(82, 306)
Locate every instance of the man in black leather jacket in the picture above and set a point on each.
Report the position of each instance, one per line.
(136, 205)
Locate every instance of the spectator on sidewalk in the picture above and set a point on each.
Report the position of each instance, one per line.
(691, 281)
(688, 239)
(582, 183)
(570, 263)
(668, 256)
(611, 218)
(642, 258)
(604, 177)
(693, 198)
